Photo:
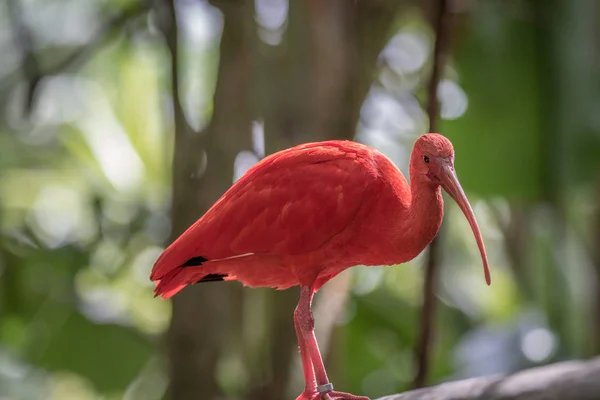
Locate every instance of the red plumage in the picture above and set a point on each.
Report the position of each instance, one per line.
(303, 215)
(302, 206)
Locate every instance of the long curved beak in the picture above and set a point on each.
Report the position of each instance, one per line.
(451, 185)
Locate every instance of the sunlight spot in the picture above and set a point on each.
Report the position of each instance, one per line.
(258, 138)
(146, 313)
(271, 13)
(103, 305)
(70, 386)
(380, 140)
(120, 163)
(59, 215)
(201, 26)
(538, 344)
(407, 52)
(397, 116)
(399, 83)
(487, 219)
(453, 99)
(202, 164)
(485, 350)
(11, 369)
(107, 257)
(200, 23)
(110, 144)
(61, 100)
(243, 162)
(118, 212)
(271, 16)
(366, 280)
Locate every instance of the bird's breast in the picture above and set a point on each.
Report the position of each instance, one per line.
(393, 232)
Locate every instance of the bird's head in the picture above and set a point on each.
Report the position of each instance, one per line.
(432, 163)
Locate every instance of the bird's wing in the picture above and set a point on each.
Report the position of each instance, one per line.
(288, 204)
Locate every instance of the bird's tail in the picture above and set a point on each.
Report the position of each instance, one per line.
(176, 279)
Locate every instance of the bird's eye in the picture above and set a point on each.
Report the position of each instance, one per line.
(426, 159)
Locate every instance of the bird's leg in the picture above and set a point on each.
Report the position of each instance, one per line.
(307, 367)
(307, 329)
(304, 320)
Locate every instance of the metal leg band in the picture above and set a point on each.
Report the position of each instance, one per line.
(328, 387)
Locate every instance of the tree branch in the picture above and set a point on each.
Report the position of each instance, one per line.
(422, 351)
(23, 40)
(32, 70)
(572, 380)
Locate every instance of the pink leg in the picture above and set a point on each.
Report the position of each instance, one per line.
(305, 322)
(307, 367)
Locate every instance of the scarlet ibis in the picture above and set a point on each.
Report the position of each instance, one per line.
(303, 215)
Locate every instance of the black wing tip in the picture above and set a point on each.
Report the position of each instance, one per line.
(213, 278)
(194, 262)
(197, 261)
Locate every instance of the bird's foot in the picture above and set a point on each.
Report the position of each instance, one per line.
(339, 396)
(331, 395)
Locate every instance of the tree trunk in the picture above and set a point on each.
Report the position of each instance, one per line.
(206, 319)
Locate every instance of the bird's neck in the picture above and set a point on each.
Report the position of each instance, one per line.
(424, 216)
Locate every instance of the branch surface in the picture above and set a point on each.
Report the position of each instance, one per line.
(571, 380)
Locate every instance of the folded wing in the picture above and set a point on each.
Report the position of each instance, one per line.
(290, 203)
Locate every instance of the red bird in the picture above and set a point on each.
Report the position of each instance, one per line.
(303, 215)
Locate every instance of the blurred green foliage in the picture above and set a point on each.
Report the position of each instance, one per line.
(503, 155)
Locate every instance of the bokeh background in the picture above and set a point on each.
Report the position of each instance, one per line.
(122, 121)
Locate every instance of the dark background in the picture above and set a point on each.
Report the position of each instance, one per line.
(122, 121)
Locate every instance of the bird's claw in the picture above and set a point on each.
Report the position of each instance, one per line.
(331, 395)
(341, 396)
